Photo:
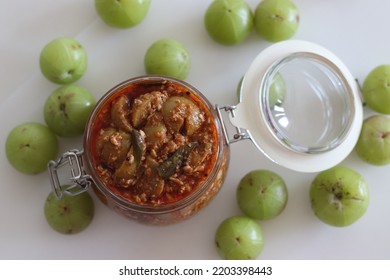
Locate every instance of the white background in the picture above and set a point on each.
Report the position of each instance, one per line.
(355, 30)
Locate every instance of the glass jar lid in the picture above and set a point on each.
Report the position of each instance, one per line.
(300, 105)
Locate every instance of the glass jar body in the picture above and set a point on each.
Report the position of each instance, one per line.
(154, 210)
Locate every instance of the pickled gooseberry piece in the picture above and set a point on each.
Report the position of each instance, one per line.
(67, 109)
(239, 238)
(229, 22)
(339, 196)
(63, 61)
(70, 214)
(276, 20)
(30, 146)
(376, 89)
(122, 13)
(262, 194)
(168, 57)
(373, 145)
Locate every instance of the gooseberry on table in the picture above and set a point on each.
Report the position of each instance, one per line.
(376, 89)
(262, 194)
(339, 196)
(63, 60)
(30, 146)
(276, 20)
(168, 57)
(67, 109)
(69, 214)
(239, 238)
(122, 13)
(373, 145)
(229, 22)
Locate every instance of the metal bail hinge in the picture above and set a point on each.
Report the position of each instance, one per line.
(240, 134)
(79, 180)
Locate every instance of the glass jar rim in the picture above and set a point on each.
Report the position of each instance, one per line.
(164, 208)
(331, 74)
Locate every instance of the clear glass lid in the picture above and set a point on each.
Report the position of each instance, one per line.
(307, 103)
(300, 105)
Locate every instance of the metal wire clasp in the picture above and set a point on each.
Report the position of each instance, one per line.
(79, 180)
(240, 134)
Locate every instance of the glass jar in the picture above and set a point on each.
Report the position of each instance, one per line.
(299, 105)
(162, 190)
